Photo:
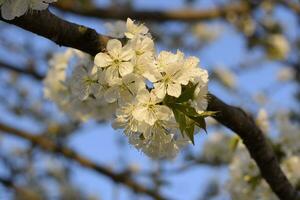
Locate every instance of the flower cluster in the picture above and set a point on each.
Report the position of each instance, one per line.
(158, 100)
(16, 8)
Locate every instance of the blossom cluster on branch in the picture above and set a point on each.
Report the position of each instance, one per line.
(159, 100)
(16, 8)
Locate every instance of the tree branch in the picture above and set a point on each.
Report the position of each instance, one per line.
(260, 150)
(153, 15)
(47, 25)
(61, 32)
(50, 146)
(29, 72)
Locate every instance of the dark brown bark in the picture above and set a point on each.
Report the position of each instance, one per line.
(61, 32)
(259, 148)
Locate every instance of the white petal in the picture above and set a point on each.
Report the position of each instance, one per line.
(150, 117)
(174, 89)
(163, 112)
(11, 9)
(103, 60)
(111, 94)
(160, 90)
(139, 113)
(143, 96)
(126, 54)
(125, 68)
(114, 48)
(38, 5)
(111, 75)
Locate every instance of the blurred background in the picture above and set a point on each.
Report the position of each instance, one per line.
(251, 50)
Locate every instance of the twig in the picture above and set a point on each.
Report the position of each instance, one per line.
(154, 15)
(29, 72)
(50, 146)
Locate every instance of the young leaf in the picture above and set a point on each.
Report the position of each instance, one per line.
(187, 94)
(208, 113)
(180, 119)
(200, 121)
(233, 143)
(190, 129)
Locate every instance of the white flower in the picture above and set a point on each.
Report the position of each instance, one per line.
(116, 61)
(160, 141)
(142, 45)
(278, 47)
(16, 8)
(262, 120)
(40, 4)
(116, 29)
(286, 74)
(148, 110)
(291, 166)
(215, 147)
(125, 90)
(83, 81)
(226, 77)
(193, 73)
(170, 65)
(144, 65)
(206, 32)
(125, 120)
(55, 89)
(134, 30)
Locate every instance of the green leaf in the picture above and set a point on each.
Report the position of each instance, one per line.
(200, 121)
(233, 143)
(187, 94)
(208, 113)
(190, 130)
(191, 113)
(187, 109)
(180, 119)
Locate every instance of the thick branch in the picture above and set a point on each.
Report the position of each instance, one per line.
(260, 150)
(232, 117)
(50, 146)
(154, 15)
(61, 32)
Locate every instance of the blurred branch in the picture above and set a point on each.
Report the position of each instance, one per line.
(29, 71)
(50, 146)
(48, 25)
(154, 15)
(7, 182)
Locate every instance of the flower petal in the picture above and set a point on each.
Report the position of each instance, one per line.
(112, 75)
(139, 113)
(114, 48)
(126, 54)
(143, 96)
(125, 68)
(12, 9)
(159, 90)
(111, 94)
(163, 112)
(103, 60)
(174, 89)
